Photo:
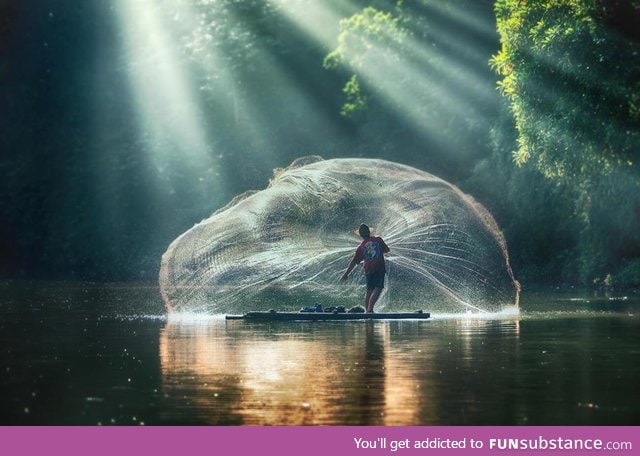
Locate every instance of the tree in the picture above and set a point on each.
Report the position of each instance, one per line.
(573, 84)
(571, 73)
(416, 79)
(370, 40)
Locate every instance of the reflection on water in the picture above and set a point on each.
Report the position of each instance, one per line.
(91, 354)
(371, 373)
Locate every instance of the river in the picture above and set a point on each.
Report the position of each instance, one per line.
(91, 354)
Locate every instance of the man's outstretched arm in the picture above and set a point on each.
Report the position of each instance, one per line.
(349, 269)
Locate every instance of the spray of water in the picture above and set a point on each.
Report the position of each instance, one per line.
(287, 246)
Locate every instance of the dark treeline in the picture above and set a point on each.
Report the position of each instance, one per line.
(122, 127)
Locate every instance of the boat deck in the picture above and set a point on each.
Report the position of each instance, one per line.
(328, 316)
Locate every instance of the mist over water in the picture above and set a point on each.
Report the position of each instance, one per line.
(288, 245)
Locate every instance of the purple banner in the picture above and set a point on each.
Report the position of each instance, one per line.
(311, 441)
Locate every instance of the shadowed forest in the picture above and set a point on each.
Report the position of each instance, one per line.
(124, 122)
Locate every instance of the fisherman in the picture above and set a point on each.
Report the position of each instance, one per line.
(371, 250)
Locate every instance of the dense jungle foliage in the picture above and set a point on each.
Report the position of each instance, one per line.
(531, 107)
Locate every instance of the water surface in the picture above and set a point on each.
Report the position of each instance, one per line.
(95, 354)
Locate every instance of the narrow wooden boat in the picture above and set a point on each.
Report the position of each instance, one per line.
(328, 316)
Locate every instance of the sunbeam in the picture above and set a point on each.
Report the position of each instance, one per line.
(425, 85)
(163, 87)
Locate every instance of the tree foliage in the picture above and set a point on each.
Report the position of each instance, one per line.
(573, 83)
(370, 38)
(410, 88)
(571, 72)
(408, 81)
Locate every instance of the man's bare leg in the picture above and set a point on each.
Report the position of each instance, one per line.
(373, 296)
(367, 297)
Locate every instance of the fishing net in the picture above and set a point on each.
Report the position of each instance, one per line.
(287, 246)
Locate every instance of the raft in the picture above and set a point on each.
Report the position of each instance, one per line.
(328, 316)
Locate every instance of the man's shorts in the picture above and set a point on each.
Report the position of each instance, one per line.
(375, 280)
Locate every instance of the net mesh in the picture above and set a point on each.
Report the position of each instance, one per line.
(287, 246)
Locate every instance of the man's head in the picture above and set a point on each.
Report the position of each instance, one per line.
(364, 231)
